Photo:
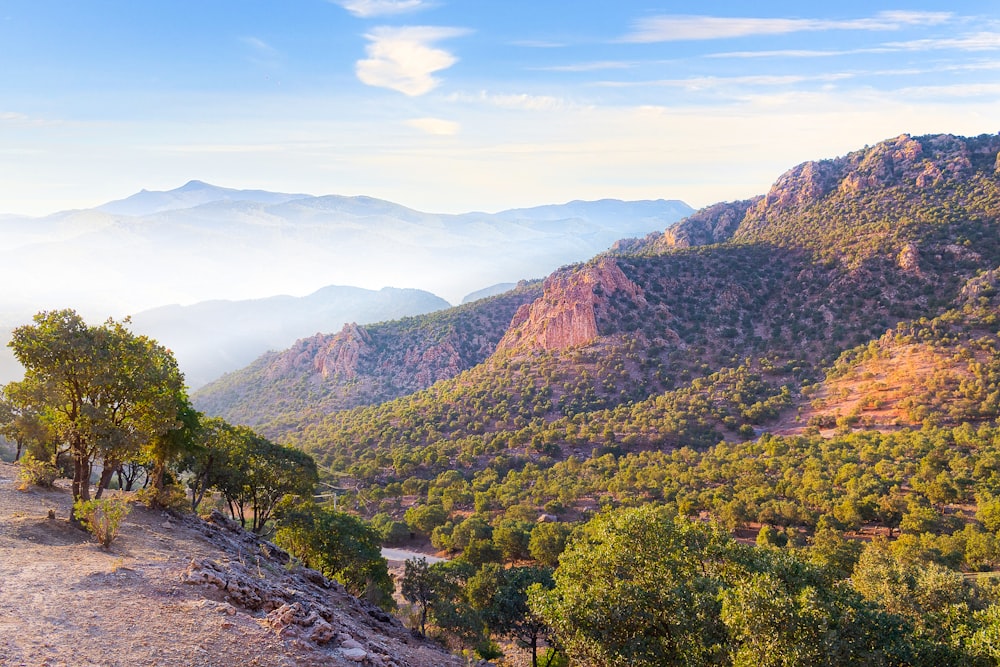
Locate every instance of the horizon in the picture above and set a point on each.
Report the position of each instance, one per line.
(449, 109)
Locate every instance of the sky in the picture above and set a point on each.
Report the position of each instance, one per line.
(460, 105)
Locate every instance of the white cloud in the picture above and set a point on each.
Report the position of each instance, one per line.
(983, 41)
(370, 8)
(516, 101)
(672, 28)
(588, 67)
(403, 59)
(435, 126)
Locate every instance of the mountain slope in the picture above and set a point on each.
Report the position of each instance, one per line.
(362, 365)
(175, 590)
(216, 337)
(675, 345)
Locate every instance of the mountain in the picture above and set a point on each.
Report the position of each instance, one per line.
(215, 337)
(189, 195)
(722, 326)
(201, 242)
(363, 365)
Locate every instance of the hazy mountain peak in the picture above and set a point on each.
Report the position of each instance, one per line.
(191, 194)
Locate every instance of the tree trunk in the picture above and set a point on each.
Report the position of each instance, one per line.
(107, 473)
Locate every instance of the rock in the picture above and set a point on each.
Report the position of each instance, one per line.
(355, 654)
(566, 314)
(350, 642)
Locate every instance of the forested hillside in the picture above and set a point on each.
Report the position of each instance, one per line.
(363, 365)
(815, 370)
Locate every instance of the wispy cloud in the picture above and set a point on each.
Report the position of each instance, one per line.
(718, 83)
(515, 101)
(670, 28)
(367, 9)
(435, 126)
(404, 59)
(261, 52)
(587, 67)
(982, 41)
(538, 44)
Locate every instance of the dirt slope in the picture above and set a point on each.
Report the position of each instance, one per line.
(174, 590)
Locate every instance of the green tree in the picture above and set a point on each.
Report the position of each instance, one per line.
(637, 587)
(341, 546)
(259, 474)
(106, 391)
(547, 542)
(501, 597)
(421, 587)
(425, 518)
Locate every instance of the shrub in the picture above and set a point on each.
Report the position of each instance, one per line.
(172, 496)
(34, 472)
(103, 518)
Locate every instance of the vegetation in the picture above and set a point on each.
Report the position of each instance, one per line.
(102, 517)
(339, 545)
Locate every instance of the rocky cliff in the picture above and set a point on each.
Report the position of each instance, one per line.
(567, 314)
(921, 163)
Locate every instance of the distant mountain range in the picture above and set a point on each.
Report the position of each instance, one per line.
(229, 252)
(201, 242)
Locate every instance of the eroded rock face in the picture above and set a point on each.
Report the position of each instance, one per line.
(343, 353)
(566, 315)
(715, 224)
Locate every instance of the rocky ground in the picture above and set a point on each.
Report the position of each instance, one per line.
(175, 590)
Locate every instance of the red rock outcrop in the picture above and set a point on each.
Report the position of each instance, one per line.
(566, 315)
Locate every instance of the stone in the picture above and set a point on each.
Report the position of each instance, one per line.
(355, 654)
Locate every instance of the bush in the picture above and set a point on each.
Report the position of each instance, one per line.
(172, 496)
(34, 472)
(103, 517)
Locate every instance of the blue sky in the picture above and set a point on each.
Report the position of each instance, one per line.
(458, 105)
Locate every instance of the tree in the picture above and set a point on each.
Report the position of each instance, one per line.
(341, 546)
(425, 518)
(258, 474)
(105, 391)
(547, 542)
(637, 587)
(419, 586)
(171, 445)
(207, 464)
(501, 596)
(22, 423)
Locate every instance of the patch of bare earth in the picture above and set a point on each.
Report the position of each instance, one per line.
(880, 393)
(175, 590)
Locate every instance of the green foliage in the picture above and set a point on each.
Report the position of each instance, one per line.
(637, 587)
(102, 517)
(253, 473)
(341, 546)
(548, 540)
(500, 595)
(32, 472)
(391, 532)
(103, 390)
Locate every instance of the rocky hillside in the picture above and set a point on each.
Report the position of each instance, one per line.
(175, 590)
(669, 342)
(363, 365)
(831, 258)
